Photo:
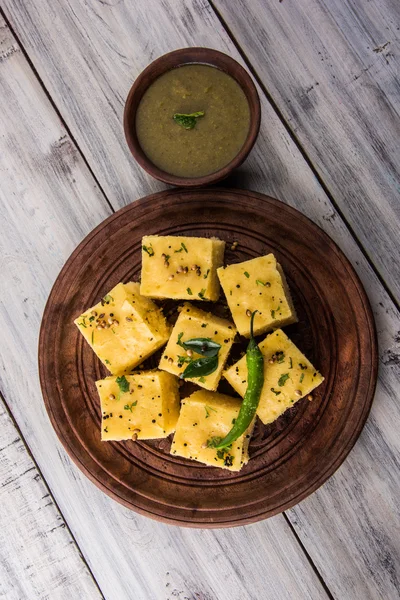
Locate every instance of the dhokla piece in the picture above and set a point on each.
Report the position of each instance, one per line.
(204, 420)
(181, 267)
(124, 328)
(288, 376)
(142, 406)
(257, 284)
(194, 323)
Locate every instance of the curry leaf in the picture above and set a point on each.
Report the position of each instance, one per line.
(201, 367)
(203, 346)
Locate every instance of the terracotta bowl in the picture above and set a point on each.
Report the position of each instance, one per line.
(170, 61)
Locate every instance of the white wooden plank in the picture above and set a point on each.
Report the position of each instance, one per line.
(127, 36)
(333, 68)
(38, 556)
(48, 203)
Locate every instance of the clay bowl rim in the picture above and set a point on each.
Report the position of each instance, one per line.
(172, 60)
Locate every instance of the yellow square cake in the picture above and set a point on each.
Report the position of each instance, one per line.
(181, 267)
(288, 376)
(204, 420)
(194, 324)
(124, 328)
(142, 406)
(257, 284)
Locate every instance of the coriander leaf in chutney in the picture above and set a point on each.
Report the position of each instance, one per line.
(188, 121)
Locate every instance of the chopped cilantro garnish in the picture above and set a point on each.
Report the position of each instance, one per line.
(207, 409)
(283, 379)
(280, 356)
(246, 274)
(183, 247)
(149, 250)
(274, 311)
(301, 377)
(206, 275)
(130, 406)
(183, 359)
(276, 393)
(221, 452)
(123, 384)
(213, 441)
(201, 294)
(189, 291)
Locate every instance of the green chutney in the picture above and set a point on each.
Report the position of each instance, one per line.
(214, 139)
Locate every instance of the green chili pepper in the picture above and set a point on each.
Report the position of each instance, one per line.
(255, 378)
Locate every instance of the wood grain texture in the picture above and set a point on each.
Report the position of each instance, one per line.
(332, 67)
(290, 458)
(38, 557)
(108, 44)
(48, 204)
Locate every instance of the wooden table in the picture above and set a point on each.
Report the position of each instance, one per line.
(328, 78)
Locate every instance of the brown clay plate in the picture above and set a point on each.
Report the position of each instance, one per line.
(290, 458)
